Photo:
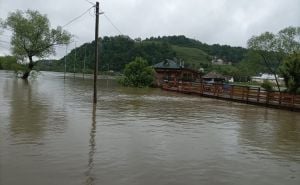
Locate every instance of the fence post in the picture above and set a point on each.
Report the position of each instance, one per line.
(280, 97)
(258, 95)
(293, 100)
(243, 95)
(200, 88)
(215, 89)
(231, 92)
(267, 97)
(248, 88)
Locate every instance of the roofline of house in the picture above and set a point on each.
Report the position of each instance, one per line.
(178, 69)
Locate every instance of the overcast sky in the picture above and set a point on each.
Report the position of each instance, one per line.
(230, 22)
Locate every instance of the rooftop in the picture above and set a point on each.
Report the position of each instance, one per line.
(213, 75)
(167, 64)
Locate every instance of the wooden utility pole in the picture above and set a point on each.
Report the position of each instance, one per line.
(96, 53)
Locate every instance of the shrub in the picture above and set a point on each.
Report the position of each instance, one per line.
(138, 74)
(290, 70)
(267, 85)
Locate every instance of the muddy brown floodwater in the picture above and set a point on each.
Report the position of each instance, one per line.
(50, 133)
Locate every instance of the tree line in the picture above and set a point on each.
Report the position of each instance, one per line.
(117, 51)
(277, 54)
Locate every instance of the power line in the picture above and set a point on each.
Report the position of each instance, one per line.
(90, 2)
(4, 47)
(71, 21)
(7, 28)
(78, 17)
(90, 13)
(5, 35)
(113, 24)
(58, 46)
(4, 41)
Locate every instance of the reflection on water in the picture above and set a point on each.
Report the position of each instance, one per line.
(29, 111)
(274, 131)
(48, 130)
(92, 143)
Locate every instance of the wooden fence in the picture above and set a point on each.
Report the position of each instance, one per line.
(244, 94)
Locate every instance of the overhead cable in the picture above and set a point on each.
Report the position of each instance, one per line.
(77, 17)
(109, 20)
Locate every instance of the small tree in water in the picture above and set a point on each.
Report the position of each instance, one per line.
(138, 74)
(33, 37)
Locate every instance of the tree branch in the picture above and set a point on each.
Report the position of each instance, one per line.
(271, 70)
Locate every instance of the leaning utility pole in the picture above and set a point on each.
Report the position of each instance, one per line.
(74, 63)
(83, 72)
(96, 53)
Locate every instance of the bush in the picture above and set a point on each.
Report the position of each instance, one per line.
(290, 70)
(267, 85)
(138, 74)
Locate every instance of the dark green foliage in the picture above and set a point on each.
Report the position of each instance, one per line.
(49, 65)
(229, 70)
(10, 63)
(252, 64)
(267, 85)
(154, 52)
(225, 52)
(115, 53)
(290, 70)
(193, 57)
(138, 74)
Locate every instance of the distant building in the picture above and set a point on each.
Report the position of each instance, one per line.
(169, 70)
(213, 77)
(218, 61)
(268, 77)
(229, 78)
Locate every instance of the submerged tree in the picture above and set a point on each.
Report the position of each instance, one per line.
(33, 37)
(274, 48)
(138, 74)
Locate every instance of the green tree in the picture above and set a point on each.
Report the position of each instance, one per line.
(290, 70)
(33, 37)
(273, 48)
(138, 74)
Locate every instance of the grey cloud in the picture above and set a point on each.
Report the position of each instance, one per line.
(230, 22)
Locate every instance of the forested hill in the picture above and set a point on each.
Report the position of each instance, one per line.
(116, 52)
(225, 52)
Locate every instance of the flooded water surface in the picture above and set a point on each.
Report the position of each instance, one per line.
(50, 133)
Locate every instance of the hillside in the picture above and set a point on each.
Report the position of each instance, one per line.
(116, 52)
(193, 57)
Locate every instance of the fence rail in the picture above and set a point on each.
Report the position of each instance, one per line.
(244, 94)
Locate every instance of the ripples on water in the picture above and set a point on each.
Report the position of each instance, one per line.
(52, 134)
